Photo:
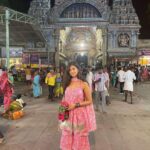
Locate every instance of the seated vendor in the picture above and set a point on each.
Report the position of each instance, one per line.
(15, 107)
(20, 100)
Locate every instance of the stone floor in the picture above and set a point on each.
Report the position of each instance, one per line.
(124, 127)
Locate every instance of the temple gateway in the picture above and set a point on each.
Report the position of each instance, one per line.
(88, 31)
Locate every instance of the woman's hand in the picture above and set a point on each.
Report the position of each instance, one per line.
(71, 107)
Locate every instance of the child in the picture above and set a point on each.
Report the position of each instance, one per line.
(19, 99)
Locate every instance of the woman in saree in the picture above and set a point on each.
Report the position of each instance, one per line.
(6, 89)
(145, 74)
(36, 85)
(81, 121)
(58, 91)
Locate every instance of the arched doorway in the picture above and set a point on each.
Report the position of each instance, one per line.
(82, 26)
(81, 43)
(82, 60)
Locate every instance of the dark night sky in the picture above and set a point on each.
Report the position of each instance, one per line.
(140, 7)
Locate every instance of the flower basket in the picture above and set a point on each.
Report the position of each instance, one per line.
(63, 111)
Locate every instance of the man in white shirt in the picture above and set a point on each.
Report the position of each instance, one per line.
(100, 83)
(120, 76)
(129, 77)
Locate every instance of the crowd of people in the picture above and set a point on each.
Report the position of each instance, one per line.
(76, 86)
(142, 74)
(126, 77)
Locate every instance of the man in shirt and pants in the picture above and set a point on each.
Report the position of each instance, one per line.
(50, 81)
(120, 76)
(101, 82)
(129, 77)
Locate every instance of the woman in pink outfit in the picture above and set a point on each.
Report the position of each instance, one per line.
(6, 89)
(75, 130)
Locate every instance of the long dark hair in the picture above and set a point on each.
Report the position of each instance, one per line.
(67, 77)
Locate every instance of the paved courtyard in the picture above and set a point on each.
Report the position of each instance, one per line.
(124, 127)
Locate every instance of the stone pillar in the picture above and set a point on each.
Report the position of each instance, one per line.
(56, 38)
(110, 40)
(114, 39)
(104, 46)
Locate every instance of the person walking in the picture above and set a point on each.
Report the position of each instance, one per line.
(129, 77)
(28, 75)
(50, 81)
(120, 75)
(81, 121)
(36, 85)
(101, 82)
(58, 86)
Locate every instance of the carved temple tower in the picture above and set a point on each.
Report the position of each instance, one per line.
(39, 10)
(90, 27)
(123, 30)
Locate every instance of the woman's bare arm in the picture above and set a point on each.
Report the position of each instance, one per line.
(87, 95)
(87, 98)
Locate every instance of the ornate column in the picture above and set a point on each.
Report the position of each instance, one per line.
(110, 40)
(56, 43)
(114, 39)
(104, 46)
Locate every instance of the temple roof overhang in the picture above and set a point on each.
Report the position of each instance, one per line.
(122, 54)
(22, 28)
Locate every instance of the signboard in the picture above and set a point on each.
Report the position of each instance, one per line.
(38, 58)
(13, 52)
(26, 58)
(34, 58)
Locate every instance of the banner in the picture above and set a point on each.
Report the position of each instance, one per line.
(34, 58)
(13, 52)
(25, 58)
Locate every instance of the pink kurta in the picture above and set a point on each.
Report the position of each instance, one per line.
(81, 121)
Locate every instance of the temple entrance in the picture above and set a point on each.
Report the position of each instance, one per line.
(82, 60)
(82, 44)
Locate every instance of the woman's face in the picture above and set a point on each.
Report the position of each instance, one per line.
(73, 71)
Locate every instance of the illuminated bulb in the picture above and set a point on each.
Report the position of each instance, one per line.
(82, 45)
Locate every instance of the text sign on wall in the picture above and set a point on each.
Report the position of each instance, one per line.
(26, 58)
(34, 58)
